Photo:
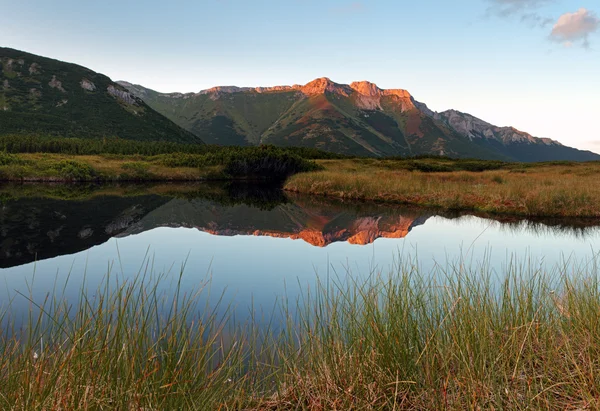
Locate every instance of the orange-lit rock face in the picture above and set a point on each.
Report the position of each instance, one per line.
(322, 85)
(365, 90)
(362, 231)
(313, 237)
(368, 96)
(369, 230)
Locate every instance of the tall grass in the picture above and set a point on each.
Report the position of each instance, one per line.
(124, 345)
(540, 190)
(463, 336)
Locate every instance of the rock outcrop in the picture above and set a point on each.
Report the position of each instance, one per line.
(87, 85)
(57, 84)
(123, 95)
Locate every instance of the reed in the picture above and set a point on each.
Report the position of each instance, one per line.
(461, 336)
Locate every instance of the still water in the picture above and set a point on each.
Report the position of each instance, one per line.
(255, 244)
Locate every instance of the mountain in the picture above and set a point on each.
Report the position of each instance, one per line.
(356, 119)
(316, 223)
(41, 95)
(33, 229)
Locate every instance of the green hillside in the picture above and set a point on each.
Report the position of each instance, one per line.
(42, 95)
(357, 119)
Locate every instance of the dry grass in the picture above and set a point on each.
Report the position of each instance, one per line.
(550, 190)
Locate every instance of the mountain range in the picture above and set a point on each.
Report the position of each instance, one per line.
(41, 95)
(354, 119)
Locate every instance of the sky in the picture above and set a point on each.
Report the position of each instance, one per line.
(531, 64)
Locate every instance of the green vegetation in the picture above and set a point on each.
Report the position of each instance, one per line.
(41, 95)
(216, 163)
(460, 337)
(258, 162)
(561, 189)
(35, 143)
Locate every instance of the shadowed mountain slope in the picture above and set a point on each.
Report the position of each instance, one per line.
(45, 96)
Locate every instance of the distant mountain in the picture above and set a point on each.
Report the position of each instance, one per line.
(359, 119)
(41, 95)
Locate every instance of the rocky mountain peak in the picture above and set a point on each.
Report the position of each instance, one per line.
(366, 88)
(324, 84)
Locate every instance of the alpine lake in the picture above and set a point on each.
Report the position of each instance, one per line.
(253, 246)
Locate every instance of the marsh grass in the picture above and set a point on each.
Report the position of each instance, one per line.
(46, 167)
(462, 336)
(249, 163)
(538, 190)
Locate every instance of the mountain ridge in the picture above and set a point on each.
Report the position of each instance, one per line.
(43, 95)
(359, 118)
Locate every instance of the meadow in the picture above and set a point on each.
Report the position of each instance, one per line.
(464, 336)
(558, 189)
(250, 164)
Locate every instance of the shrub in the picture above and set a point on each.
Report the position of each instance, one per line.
(74, 170)
(271, 165)
(259, 162)
(137, 169)
(9, 159)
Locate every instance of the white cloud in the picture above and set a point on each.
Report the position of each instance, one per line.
(574, 27)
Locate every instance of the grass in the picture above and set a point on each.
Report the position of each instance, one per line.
(561, 189)
(251, 163)
(461, 337)
(65, 167)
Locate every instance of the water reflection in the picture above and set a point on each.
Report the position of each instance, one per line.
(38, 222)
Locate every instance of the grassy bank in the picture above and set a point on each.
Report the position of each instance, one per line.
(462, 337)
(266, 163)
(542, 189)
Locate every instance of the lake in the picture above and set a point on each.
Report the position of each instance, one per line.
(253, 243)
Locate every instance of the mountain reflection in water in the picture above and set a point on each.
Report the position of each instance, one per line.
(45, 221)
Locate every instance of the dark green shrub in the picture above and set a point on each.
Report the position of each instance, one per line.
(9, 159)
(269, 165)
(74, 170)
(427, 167)
(265, 162)
(137, 170)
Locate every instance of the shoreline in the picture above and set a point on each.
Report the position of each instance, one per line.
(543, 190)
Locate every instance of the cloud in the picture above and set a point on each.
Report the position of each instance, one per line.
(535, 20)
(575, 27)
(526, 10)
(509, 7)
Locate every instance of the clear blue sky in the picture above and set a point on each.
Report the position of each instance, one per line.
(509, 62)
